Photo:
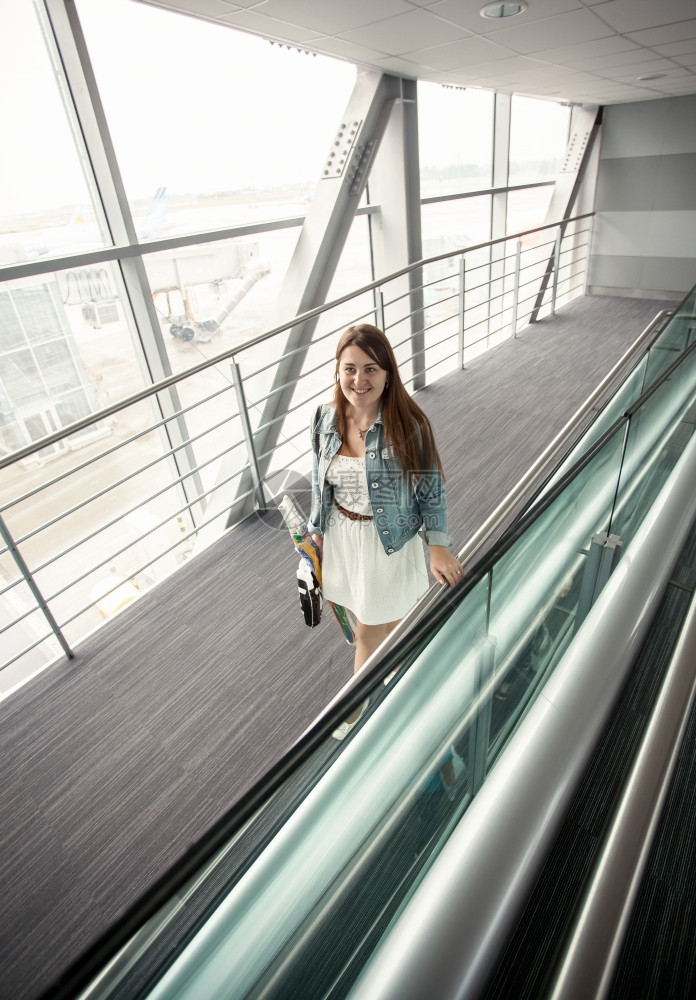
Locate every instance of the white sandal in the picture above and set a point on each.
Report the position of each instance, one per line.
(342, 731)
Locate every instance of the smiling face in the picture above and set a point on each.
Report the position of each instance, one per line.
(361, 379)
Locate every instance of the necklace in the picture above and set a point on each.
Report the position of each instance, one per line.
(362, 432)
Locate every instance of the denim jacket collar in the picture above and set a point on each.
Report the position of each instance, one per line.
(399, 509)
(328, 421)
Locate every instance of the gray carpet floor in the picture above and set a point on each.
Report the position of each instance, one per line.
(112, 764)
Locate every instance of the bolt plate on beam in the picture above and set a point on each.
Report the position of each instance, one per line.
(340, 149)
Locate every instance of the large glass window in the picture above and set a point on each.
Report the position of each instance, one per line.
(58, 361)
(215, 118)
(527, 209)
(46, 204)
(210, 129)
(538, 139)
(455, 133)
(214, 296)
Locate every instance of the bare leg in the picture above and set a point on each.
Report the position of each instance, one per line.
(369, 638)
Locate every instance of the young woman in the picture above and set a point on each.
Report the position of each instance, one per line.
(377, 482)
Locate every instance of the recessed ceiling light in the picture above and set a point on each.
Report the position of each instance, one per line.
(653, 76)
(502, 9)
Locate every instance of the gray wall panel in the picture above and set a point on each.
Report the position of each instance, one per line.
(661, 183)
(676, 274)
(615, 272)
(651, 234)
(644, 236)
(649, 274)
(646, 128)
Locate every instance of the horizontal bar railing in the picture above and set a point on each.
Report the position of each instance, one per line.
(441, 331)
(172, 380)
(94, 534)
(182, 411)
(125, 479)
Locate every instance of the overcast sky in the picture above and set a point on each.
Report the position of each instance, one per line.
(192, 106)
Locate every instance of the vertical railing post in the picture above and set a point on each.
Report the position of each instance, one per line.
(462, 314)
(556, 264)
(516, 289)
(248, 436)
(31, 584)
(379, 308)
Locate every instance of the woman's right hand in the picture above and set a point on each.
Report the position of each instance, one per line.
(319, 542)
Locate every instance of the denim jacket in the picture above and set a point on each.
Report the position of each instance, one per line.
(400, 507)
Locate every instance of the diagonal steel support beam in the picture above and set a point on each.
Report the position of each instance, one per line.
(586, 125)
(318, 252)
(85, 113)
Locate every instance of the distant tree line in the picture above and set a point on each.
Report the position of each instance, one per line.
(531, 168)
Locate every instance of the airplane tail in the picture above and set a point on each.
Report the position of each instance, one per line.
(156, 217)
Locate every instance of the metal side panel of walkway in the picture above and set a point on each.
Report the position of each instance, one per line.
(114, 763)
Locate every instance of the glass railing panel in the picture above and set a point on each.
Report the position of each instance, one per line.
(613, 411)
(351, 832)
(672, 341)
(536, 587)
(365, 818)
(658, 433)
(676, 337)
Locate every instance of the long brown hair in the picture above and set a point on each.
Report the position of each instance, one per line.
(407, 430)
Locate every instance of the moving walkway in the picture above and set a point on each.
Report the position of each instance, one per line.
(417, 857)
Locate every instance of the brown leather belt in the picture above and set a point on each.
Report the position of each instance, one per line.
(352, 514)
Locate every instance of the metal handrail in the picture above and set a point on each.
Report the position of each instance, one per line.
(256, 797)
(532, 480)
(453, 925)
(172, 380)
(593, 949)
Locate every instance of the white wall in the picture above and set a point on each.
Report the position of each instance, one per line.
(644, 239)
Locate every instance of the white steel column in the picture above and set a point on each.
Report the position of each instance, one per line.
(501, 171)
(395, 187)
(585, 127)
(82, 99)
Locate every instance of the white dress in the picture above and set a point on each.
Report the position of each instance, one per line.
(356, 571)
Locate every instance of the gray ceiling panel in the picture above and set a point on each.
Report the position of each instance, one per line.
(587, 47)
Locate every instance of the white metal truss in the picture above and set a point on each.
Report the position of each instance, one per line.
(85, 111)
(585, 126)
(360, 134)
